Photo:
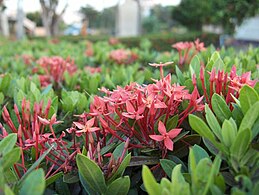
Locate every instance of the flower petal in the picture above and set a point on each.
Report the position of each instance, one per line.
(79, 125)
(130, 108)
(161, 128)
(93, 129)
(90, 123)
(169, 144)
(174, 132)
(157, 137)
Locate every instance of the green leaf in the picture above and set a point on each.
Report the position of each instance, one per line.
(119, 172)
(172, 123)
(151, 186)
(213, 172)
(167, 166)
(201, 128)
(118, 151)
(220, 107)
(237, 114)
(91, 173)
(250, 118)
(34, 165)
(119, 187)
(7, 144)
(70, 177)
(10, 158)
(241, 144)
(196, 154)
(229, 132)
(213, 122)
(247, 97)
(179, 75)
(7, 190)
(53, 178)
(34, 183)
(179, 185)
(195, 66)
(87, 188)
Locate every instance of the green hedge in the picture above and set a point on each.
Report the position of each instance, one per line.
(160, 42)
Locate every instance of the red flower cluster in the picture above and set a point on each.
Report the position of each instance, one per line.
(134, 112)
(89, 52)
(93, 70)
(32, 134)
(54, 68)
(184, 49)
(225, 84)
(123, 56)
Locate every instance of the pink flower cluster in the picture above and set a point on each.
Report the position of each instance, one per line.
(32, 131)
(123, 56)
(184, 49)
(134, 112)
(225, 84)
(54, 68)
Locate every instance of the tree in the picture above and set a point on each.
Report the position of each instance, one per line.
(89, 14)
(227, 13)
(35, 17)
(50, 17)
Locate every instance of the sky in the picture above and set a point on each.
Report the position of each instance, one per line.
(71, 15)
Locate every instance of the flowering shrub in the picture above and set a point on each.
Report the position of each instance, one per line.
(198, 127)
(135, 111)
(122, 56)
(54, 69)
(33, 136)
(187, 50)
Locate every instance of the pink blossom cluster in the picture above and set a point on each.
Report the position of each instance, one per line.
(35, 132)
(137, 112)
(54, 69)
(187, 50)
(123, 56)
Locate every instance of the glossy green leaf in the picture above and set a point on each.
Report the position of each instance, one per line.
(167, 166)
(35, 164)
(53, 178)
(8, 191)
(118, 151)
(91, 173)
(119, 172)
(70, 177)
(247, 98)
(180, 76)
(229, 132)
(179, 185)
(10, 158)
(86, 186)
(172, 122)
(213, 122)
(151, 186)
(34, 183)
(250, 118)
(241, 144)
(7, 144)
(220, 107)
(119, 186)
(194, 66)
(201, 128)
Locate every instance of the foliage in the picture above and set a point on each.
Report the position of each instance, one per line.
(193, 120)
(35, 17)
(230, 13)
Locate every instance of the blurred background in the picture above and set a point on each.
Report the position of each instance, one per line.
(220, 22)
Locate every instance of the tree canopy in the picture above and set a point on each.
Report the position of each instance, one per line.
(227, 13)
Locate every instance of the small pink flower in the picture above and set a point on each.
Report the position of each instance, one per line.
(166, 136)
(86, 128)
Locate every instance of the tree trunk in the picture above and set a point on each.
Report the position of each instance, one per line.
(50, 17)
